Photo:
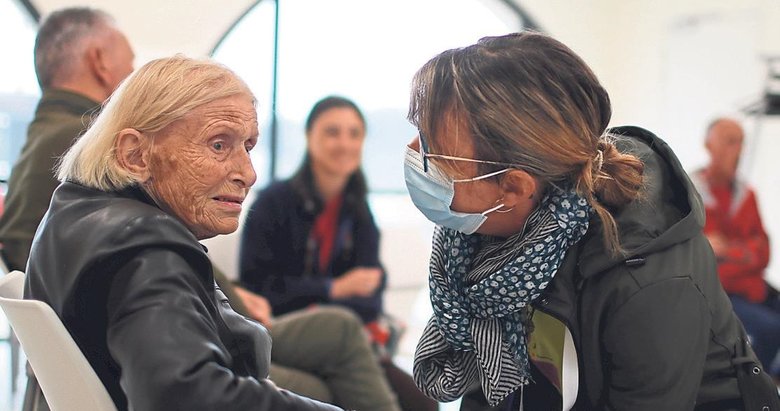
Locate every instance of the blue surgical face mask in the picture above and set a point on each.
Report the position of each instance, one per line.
(432, 193)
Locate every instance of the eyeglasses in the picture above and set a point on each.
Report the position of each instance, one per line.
(425, 155)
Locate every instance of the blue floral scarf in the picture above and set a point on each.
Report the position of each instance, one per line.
(481, 288)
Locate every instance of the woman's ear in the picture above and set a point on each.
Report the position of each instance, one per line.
(519, 188)
(132, 153)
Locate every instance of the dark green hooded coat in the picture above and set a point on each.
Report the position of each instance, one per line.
(654, 329)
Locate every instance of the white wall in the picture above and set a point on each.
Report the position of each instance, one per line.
(671, 66)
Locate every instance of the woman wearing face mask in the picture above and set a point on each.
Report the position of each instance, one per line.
(569, 269)
(312, 239)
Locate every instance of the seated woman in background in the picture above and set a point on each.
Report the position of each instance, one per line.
(117, 256)
(312, 239)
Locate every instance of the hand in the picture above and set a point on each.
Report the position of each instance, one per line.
(357, 282)
(719, 244)
(259, 308)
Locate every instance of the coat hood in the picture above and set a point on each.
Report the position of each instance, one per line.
(669, 212)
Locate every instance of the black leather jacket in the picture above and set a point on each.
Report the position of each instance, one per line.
(135, 289)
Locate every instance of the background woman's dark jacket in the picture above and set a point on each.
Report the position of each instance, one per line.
(135, 289)
(653, 330)
(279, 260)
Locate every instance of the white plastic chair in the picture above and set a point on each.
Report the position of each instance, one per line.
(3, 267)
(67, 380)
(12, 341)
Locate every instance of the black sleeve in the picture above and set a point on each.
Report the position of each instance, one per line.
(366, 240)
(165, 341)
(261, 268)
(367, 255)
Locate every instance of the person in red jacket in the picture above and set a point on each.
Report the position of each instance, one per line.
(738, 239)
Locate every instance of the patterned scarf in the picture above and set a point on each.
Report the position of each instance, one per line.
(481, 289)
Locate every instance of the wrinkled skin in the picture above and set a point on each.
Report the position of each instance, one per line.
(200, 166)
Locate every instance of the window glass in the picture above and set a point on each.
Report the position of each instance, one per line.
(366, 51)
(248, 50)
(19, 94)
(19, 90)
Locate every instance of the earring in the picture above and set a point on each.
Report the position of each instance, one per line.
(503, 211)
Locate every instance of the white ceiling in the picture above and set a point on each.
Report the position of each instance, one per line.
(159, 28)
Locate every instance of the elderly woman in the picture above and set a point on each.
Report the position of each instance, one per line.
(117, 255)
(569, 269)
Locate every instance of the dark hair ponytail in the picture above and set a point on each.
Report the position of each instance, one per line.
(609, 181)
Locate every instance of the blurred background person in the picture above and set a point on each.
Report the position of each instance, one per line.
(312, 240)
(738, 238)
(80, 58)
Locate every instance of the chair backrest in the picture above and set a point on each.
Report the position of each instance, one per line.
(66, 378)
(3, 267)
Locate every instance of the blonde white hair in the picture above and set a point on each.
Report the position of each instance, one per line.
(154, 96)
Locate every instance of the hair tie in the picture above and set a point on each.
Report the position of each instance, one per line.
(599, 160)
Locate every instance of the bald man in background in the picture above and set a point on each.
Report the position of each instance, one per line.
(738, 239)
(80, 58)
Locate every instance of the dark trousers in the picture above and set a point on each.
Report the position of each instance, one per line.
(762, 324)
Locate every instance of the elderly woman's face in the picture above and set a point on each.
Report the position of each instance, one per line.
(200, 166)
